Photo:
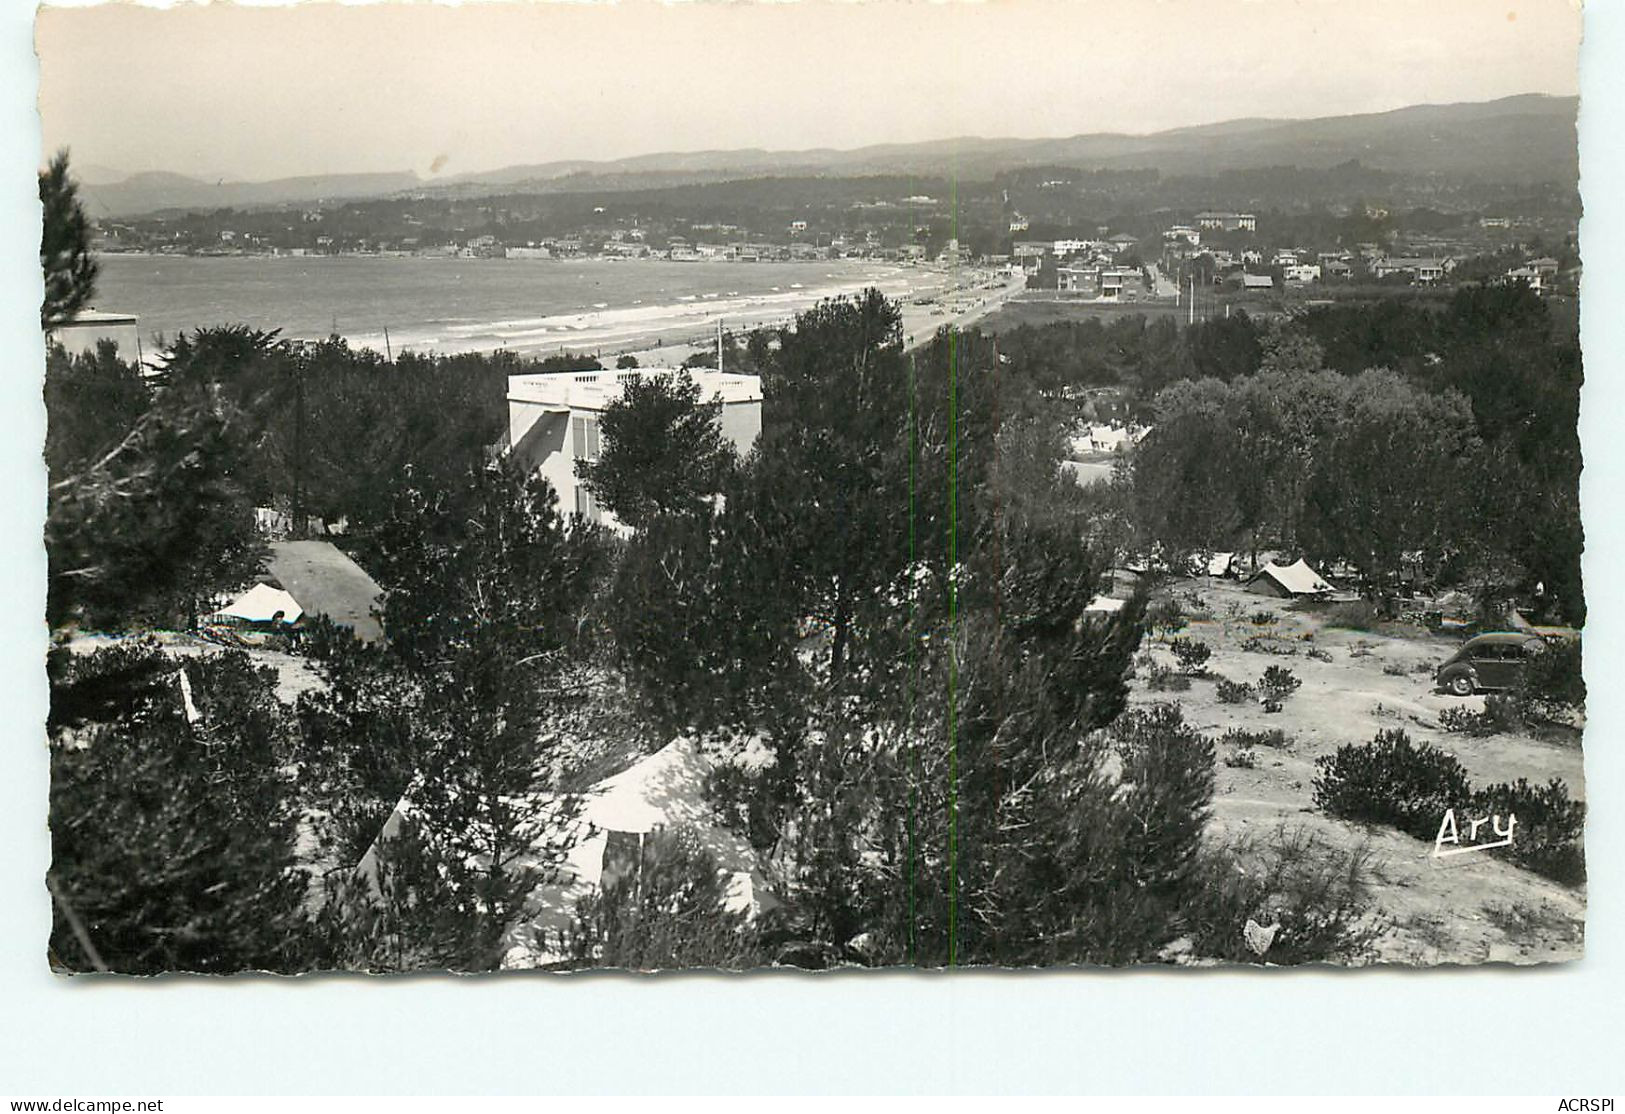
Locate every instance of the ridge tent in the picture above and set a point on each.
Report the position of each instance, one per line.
(1288, 581)
(262, 604)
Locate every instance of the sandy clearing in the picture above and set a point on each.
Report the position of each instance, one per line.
(1470, 909)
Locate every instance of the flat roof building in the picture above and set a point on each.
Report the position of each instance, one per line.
(553, 422)
(90, 327)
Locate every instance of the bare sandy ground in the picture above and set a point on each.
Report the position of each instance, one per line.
(1460, 910)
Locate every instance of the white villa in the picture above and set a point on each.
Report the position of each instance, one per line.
(553, 422)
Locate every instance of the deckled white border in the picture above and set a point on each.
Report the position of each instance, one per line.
(1454, 1032)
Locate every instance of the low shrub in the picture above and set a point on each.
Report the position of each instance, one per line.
(1552, 686)
(1500, 716)
(1268, 644)
(1233, 692)
(1275, 739)
(1244, 758)
(1164, 679)
(1277, 684)
(1196, 606)
(1352, 615)
(1392, 781)
(1410, 787)
(1318, 654)
(1192, 655)
(1309, 892)
(1549, 826)
(1263, 618)
(1166, 617)
(1394, 669)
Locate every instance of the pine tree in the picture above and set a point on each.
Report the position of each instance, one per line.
(173, 835)
(70, 268)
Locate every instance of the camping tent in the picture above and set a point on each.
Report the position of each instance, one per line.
(1215, 564)
(261, 604)
(1296, 579)
(665, 790)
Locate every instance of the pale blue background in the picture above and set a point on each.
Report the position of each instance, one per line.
(1494, 1031)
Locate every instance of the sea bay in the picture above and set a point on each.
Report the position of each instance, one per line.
(464, 305)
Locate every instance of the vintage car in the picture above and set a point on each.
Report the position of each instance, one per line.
(1488, 662)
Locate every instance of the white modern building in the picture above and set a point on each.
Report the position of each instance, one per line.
(553, 422)
(89, 328)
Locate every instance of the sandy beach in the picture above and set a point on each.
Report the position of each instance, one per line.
(933, 298)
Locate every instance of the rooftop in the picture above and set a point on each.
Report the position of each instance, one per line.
(326, 582)
(593, 390)
(98, 317)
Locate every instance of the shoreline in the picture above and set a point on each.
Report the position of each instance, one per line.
(676, 319)
(658, 331)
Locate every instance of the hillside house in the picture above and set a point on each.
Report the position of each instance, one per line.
(1423, 271)
(553, 422)
(1529, 276)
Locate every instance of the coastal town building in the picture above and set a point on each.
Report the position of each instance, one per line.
(89, 328)
(1121, 285)
(1423, 272)
(1077, 280)
(553, 423)
(1215, 221)
(1529, 276)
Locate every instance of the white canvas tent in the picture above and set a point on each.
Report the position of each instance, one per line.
(1296, 579)
(662, 791)
(1215, 564)
(261, 604)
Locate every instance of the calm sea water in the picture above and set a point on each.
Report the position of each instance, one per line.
(455, 305)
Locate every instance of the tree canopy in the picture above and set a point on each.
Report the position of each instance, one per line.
(64, 254)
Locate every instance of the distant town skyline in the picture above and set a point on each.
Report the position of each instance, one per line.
(258, 93)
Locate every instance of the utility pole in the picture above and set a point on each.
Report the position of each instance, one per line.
(299, 447)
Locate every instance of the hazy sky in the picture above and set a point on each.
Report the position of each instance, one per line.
(266, 92)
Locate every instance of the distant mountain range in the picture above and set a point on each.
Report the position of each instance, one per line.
(1519, 139)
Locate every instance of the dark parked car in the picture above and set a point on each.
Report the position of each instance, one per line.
(1489, 662)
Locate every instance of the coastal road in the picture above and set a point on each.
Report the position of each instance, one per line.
(965, 307)
(1161, 285)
